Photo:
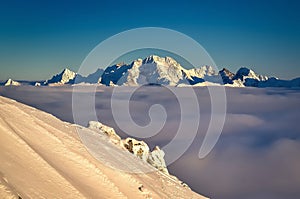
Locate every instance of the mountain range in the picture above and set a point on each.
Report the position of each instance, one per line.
(155, 70)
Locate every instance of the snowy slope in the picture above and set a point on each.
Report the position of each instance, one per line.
(202, 71)
(204, 74)
(43, 157)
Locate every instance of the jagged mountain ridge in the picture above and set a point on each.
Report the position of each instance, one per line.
(158, 71)
(166, 71)
(65, 77)
(69, 77)
(151, 70)
(155, 70)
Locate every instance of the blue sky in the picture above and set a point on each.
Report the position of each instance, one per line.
(39, 38)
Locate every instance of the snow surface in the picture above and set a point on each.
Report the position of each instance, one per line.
(43, 157)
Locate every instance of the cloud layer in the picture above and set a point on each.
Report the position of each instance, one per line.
(257, 155)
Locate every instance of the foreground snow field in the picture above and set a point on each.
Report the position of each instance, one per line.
(43, 157)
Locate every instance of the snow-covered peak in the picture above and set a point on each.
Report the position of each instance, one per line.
(226, 76)
(66, 76)
(156, 70)
(11, 82)
(137, 63)
(243, 73)
(227, 72)
(166, 61)
(153, 59)
(151, 70)
(209, 70)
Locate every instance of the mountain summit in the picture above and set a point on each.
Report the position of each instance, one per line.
(65, 77)
(156, 70)
(11, 82)
(151, 70)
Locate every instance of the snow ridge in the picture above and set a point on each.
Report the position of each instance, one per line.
(156, 70)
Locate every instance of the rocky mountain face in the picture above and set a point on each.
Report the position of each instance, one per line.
(226, 76)
(155, 70)
(65, 77)
(151, 70)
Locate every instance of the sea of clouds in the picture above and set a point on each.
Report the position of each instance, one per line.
(257, 155)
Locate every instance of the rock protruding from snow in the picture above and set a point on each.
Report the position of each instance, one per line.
(65, 77)
(11, 82)
(141, 150)
(138, 148)
(109, 131)
(156, 159)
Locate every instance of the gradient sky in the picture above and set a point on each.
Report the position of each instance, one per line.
(40, 38)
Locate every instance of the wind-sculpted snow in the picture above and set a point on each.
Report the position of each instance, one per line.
(257, 155)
